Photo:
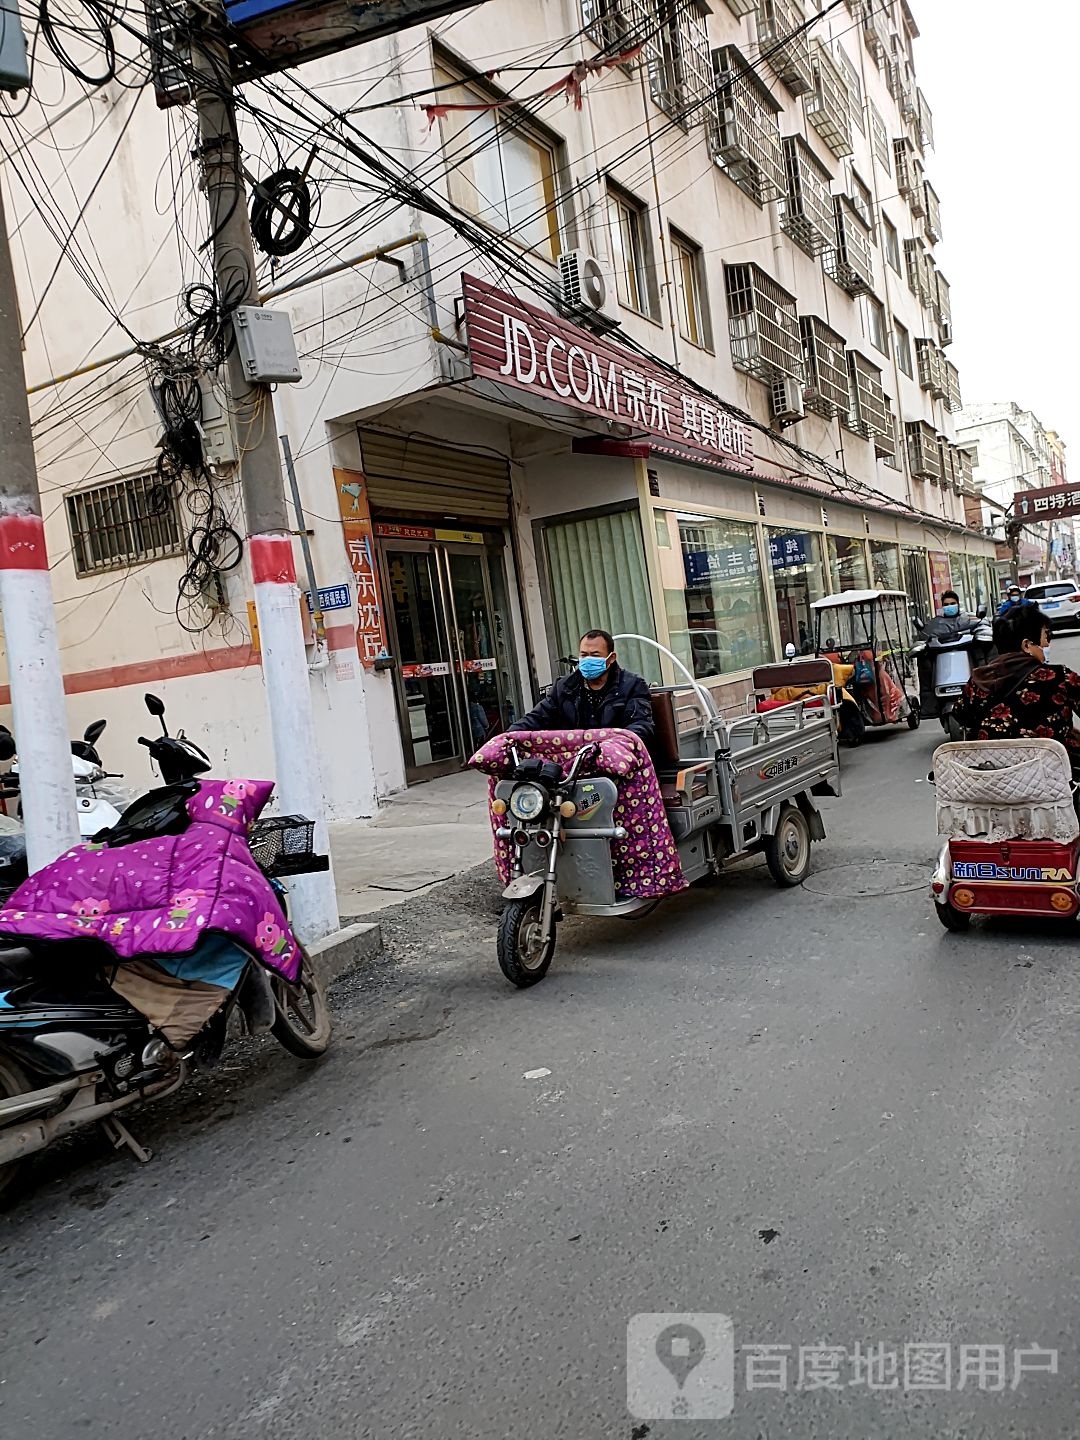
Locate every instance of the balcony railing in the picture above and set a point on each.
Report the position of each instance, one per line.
(917, 197)
(828, 107)
(867, 414)
(932, 223)
(806, 210)
(920, 271)
(967, 468)
(925, 119)
(621, 25)
(786, 52)
(766, 341)
(827, 385)
(885, 443)
(922, 447)
(931, 363)
(743, 131)
(850, 263)
(876, 31)
(943, 309)
(903, 155)
(953, 399)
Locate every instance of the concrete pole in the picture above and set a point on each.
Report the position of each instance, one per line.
(46, 777)
(270, 550)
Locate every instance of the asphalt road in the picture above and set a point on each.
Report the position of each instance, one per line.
(812, 1111)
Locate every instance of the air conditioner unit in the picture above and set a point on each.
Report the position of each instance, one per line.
(787, 400)
(583, 283)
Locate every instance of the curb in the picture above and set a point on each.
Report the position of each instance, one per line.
(344, 950)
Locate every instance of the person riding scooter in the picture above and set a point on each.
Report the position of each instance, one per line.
(1014, 600)
(599, 695)
(1019, 694)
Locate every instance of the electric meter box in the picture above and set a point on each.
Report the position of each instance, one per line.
(14, 65)
(265, 341)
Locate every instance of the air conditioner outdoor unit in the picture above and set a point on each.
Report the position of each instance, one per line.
(583, 283)
(787, 400)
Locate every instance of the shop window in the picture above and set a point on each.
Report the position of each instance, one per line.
(596, 571)
(847, 563)
(500, 170)
(631, 254)
(917, 582)
(797, 580)
(715, 602)
(885, 560)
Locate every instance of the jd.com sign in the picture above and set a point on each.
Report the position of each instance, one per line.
(516, 344)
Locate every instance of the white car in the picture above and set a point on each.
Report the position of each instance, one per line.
(1059, 600)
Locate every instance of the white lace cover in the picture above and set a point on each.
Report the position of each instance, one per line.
(1005, 790)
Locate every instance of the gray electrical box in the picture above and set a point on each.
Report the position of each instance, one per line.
(265, 341)
(218, 436)
(14, 66)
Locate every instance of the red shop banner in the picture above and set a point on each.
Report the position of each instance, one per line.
(516, 344)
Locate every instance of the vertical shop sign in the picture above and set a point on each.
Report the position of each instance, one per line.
(940, 575)
(352, 494)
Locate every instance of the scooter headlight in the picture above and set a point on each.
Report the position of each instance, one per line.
(527, 802)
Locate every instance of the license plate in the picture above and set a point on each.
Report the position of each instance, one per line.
(1050, 604)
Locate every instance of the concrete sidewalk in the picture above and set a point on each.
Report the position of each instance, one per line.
(427, 833)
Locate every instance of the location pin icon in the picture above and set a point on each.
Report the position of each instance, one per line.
(680, 1348)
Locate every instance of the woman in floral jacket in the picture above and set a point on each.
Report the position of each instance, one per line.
(1019, 693)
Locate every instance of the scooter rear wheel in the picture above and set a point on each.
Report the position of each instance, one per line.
(524, 957)
(302, 1016)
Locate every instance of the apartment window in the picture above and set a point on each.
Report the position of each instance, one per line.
(863, 201)
(876, 324)
(680, 66)
(903, 349)
(891, 242)
(880, 135)
(630, 252)
(691, 299)
(122, 523)
(500, 170)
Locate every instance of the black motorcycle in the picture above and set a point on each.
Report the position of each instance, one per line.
(74, 1052)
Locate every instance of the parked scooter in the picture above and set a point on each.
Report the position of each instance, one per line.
(88, 1025)
(98, 805)
(947, 651)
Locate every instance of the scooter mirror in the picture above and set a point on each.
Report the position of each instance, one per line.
(154, 705)
(92, 734)
(980, 614)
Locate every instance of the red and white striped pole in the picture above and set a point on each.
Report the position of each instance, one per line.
(46, 778)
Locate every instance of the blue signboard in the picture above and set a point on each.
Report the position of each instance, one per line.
(787, 550)
(730, 562)
(332, 597)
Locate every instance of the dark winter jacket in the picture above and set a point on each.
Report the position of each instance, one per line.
(622, 704)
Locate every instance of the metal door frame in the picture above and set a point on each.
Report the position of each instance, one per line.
(416, 773)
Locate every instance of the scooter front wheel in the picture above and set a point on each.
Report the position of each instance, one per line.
(302, 1016)
(12, 1083)
(524, 954)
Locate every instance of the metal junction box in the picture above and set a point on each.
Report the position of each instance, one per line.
(265, 341)
(14, 66)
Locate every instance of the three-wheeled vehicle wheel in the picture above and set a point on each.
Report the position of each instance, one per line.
(914, 716)
(787, 853)
(953, 919)
(524, 955)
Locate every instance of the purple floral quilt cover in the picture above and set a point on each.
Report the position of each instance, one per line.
(160, 896)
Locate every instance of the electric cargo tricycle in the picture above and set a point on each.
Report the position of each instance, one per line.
(730, 788)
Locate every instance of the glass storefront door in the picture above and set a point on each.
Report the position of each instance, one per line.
(455, 676)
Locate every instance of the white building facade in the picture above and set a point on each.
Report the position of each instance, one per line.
(746, 402)
(1011, 452)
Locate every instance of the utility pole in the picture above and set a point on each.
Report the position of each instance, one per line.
(46, 778)
(269, 544)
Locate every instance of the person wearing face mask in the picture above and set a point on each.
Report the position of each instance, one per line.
(950, 605)
(599, 694)
(1020, 694)
(1014, 599)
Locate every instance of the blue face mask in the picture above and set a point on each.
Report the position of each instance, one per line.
(950, 609)
(592, 667)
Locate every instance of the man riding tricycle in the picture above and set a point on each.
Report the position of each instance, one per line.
(588, 822)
